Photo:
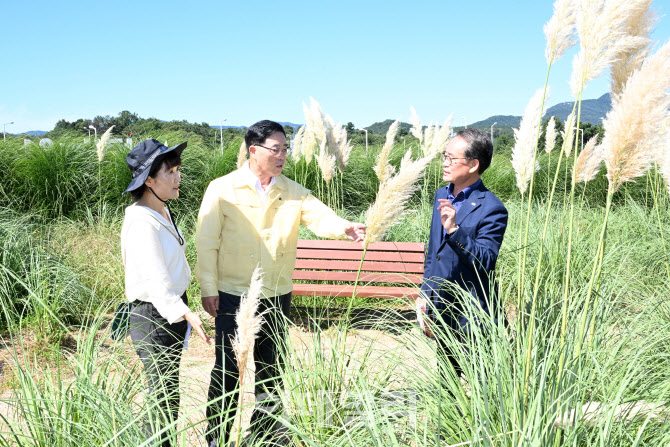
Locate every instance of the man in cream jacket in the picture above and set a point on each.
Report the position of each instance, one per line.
(250, 218)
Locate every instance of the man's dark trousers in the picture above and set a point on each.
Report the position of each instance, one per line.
(267, 358)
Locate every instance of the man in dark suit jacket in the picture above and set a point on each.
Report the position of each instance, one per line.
(466, 232)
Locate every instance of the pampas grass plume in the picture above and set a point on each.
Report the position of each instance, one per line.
(601, 25)
(588, 162)
(296, 146)
(523, 153)
(393, 196)
(560, 30)
(102, 143)
(344, 149)
(242, 154)
(633, 125)
(639, 23)
(550, 135)
(248, 321)
(417, 128)
(383, 169)
(327, 162)
(569, 135)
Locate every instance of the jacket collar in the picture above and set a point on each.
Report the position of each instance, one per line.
(241, 179)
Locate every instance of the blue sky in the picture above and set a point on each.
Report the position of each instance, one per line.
(363, 61)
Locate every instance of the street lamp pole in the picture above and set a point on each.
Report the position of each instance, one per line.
(465, 123)
(221, 130)
(366, 140)
(95, 132)
(4, 136)
(492, 131)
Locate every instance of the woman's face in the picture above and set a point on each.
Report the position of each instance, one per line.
(166, 183)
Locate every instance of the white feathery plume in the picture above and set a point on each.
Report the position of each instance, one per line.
(102, 143)
(393, 196)
(632, 125)
(588, 162)
(560, 30)
(249, 324)
(383, 168)
(327, 162)
(344, 149)
(248, 321)
(242, 154)
(417, 128)
(314, 132)
(428, 139)
(441, 138)
(314, 119)
(602, 37)
(296, 147)
(308, 145)
(569, 135)
(523, 153)
(639, 24)
(333, 135)
(550, 135)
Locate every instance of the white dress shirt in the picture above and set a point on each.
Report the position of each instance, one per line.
(255, 183)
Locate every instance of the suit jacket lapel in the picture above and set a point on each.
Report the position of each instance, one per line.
(441, 239)
(472, 203)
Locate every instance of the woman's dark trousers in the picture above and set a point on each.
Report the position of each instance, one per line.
(159, 345)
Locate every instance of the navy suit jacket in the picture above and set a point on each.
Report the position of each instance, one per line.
(466, 258)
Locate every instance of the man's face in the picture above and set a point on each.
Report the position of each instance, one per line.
(266, 161)
(456, 168)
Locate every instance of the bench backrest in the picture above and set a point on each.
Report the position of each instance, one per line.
(385, 262)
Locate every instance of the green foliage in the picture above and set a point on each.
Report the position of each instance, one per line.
(128, 124)
(382, 127)
(35, 285)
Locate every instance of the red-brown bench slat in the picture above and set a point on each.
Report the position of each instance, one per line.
(389, 267)
(352, 255)
(417, 247)
(322, 275)
(330, 290)
(385, 263)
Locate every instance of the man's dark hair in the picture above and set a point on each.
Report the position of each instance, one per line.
(260, 131)
(479, 147)
(169, 160)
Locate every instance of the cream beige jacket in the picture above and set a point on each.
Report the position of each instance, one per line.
(236, 233)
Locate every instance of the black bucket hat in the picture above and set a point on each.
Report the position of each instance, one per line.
(141, 158)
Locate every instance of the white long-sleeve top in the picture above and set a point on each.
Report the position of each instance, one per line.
(155, 263)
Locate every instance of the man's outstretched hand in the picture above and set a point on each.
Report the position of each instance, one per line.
(355, 231)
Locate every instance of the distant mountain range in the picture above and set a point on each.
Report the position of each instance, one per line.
(593, 111)
(34, 133)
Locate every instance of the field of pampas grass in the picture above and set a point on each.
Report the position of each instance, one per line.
(576, 353)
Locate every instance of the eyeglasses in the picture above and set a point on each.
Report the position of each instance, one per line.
(276, 151)
(450, 160)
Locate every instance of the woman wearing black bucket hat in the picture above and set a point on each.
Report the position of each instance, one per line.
(157, 275)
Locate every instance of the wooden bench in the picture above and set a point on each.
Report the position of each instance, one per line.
(393, 263)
